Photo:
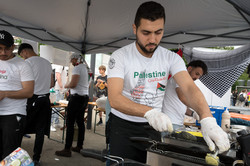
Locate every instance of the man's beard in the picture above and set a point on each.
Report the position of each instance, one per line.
(6, 57)
(144, 48)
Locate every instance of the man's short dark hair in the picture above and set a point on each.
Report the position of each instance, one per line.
(24, 46)
(198, 63)
(150, 11)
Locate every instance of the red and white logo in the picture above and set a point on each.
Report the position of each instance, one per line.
(2, 71)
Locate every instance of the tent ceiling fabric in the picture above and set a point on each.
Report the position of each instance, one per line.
(106, 25)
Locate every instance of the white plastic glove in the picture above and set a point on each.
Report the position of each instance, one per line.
(212, 133)
(158, 120)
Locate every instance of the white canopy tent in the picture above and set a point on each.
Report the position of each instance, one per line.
(102, 26)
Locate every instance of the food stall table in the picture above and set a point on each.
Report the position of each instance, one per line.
(60, 109)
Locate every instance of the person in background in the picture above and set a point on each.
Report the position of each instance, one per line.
(248, 99)
(242, 98)
(38, 106)
(60, 81)
(235, 96)
(79, 90)
(231, 99)
(137, 76)
(174, 103)
(16, 85)
(101, 87)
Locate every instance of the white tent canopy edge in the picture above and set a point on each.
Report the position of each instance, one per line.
(97, 26)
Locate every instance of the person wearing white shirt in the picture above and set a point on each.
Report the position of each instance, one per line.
(38, 106)
(60, 81)
(79, 91)
(137, 76)
(16, 85)
(174, 100)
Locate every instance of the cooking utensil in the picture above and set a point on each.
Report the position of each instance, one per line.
(212, 158)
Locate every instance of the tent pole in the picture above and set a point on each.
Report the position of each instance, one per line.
(91, 90)
(85, 29)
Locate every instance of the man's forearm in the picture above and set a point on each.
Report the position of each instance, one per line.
(59, 79)
(26, 92)
(60, 83)
(126, 106)
(74, 81)
(70, 85)
(121, 103)
(195, 99)
(20, 94)
(17, 94)
(197, 102)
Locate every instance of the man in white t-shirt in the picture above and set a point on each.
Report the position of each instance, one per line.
(16, 85)
(137, 76)
(38, 106)
(60, 77)
(79, 91)
(174, 100)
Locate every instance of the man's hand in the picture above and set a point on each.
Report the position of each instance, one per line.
(158, 120)
(99, 81)
(212, 133)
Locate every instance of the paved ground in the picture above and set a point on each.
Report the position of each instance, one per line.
(92, 141)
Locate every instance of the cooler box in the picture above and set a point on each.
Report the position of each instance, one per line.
(216, 112)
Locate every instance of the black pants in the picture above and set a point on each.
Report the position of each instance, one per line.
(38, 119)
(11, 133)
(120, 144)
(75, 113)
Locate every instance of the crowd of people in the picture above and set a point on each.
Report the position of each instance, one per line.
(241, 99)
(137, 85)
(25, 106)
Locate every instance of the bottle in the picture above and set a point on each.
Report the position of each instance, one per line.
(225, 122)
(52, 96)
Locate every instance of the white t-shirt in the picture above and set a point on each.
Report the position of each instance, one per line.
(144, 78)
(42, 72)
(60, 69)
(82, 88)
(172, 105)
(12, 73)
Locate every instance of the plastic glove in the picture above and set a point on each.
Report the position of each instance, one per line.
(158, 120)
(212, 133)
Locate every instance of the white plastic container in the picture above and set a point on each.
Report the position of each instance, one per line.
(225, 122)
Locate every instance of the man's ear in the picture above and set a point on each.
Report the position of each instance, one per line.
(134, 28)
(189, 68)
